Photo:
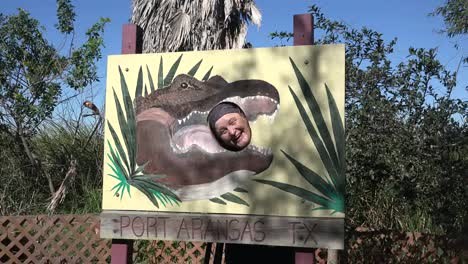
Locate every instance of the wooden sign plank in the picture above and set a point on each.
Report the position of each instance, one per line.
(225, 228)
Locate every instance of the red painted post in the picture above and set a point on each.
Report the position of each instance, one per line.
(122, 249)
(131, 39)
(303, 29)
(303, 33)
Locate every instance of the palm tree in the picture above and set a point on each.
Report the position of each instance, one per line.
(178, 25)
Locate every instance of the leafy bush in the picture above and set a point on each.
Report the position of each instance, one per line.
(406, 135)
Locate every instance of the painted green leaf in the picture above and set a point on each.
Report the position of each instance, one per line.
(151, 83)
(331, 169)
(172, 71)
(207, 74)
(118, 174)
(118, 161)
(194, 69)
(147, 184)
(338, 132)
(122, 124)
(139, 85)
(313, 178)
(160, 74)
(149, 177)
(129, 135)
(234, 199)
(218, 201)
(160, 197)
(118, 145)
(239, 189)
(147, 194)
(317, 114)
(302, 193)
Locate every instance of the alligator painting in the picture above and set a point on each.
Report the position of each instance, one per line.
(173, 137)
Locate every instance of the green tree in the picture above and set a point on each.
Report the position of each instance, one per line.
(455, 14)
(34, 73)
(403, 127)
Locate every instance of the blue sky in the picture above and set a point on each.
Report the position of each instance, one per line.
(406, 20)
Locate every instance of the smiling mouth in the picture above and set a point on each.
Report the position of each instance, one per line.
(236, 137)
(193, 133)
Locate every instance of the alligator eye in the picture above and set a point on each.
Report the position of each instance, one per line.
(184, 85)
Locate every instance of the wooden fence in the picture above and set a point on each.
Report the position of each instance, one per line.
(52, 239)
(75, 239)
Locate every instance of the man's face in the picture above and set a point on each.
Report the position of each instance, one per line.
(233, 130)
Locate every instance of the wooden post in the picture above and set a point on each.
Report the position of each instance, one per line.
(131, 39)
(303, 33)
(218, 257)
(208, 253)
(332, 256)
(122, 249)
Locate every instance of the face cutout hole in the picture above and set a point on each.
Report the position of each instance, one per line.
(230, 126)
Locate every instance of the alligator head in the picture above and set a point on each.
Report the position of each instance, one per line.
(174, 139)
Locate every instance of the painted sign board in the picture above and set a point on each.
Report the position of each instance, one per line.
(270, 172)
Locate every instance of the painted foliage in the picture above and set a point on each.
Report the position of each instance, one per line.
(162, 155)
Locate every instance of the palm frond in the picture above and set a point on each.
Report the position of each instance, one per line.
(160, 74)
(330, 194)
(194, 69)
(123, 162)
(116, 160)
(317, 141)
(207, 74)
(306, 195)
(234, 199)
(130, 127)
(150, 79)
(139, 85)
(172, 71)
(168, 25)
(317, 114)
(338, 129)
(313, 178)
(218, 201)
(120, 150)
(239, 189)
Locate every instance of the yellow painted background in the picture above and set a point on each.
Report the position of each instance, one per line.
(318, 64)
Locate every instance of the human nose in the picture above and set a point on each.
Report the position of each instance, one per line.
(232, 131)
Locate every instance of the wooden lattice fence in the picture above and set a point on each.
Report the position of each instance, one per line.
(165, 252)
(52, 239)
(75, 239)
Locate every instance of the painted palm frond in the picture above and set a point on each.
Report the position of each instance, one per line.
(230, 197)
(123, 153)
(163, 81)
(330, 191)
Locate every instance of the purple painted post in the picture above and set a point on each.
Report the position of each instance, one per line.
(122, 249)
(303, 34)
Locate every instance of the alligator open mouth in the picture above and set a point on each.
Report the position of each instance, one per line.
(192, 131)
(175, 139)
